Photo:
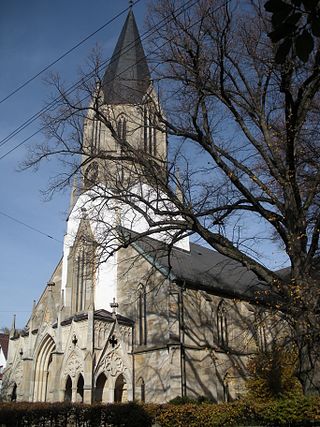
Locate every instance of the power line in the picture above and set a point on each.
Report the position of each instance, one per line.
(30, 227)
(65, 54)
(35, 116)
(74, 87)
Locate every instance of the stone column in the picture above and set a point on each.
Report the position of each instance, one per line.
(74, 393)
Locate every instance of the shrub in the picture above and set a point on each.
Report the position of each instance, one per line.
(273, 374)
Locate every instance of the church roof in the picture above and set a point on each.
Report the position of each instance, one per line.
(4, 343)
(127, 76)
(204, 269)
(100, 314)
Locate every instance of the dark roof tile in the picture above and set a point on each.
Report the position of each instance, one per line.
(127, 76)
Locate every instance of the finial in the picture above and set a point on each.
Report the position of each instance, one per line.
(130, 4)
(114, 305)
(13, 327)
(50, 285)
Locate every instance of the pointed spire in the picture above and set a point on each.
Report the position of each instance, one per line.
(13, 327)
(127, 77)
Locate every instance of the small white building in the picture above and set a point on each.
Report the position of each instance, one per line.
(4, 342)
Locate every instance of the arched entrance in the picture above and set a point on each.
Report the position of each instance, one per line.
(68, 390)
(100, 388)
(120, 389)
(42, 370)
(80, 385)
(140, 390)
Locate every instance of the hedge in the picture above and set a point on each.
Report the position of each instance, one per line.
(78, 415)
(302, 411)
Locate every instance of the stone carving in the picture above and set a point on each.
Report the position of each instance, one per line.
(73, 366)
(114, 364)
(102, 331)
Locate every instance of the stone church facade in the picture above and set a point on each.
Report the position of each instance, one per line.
(136, 325)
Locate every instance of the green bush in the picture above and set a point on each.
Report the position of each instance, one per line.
(61, 414)
(272, 374)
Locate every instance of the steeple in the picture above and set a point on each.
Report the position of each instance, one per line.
(127, 76)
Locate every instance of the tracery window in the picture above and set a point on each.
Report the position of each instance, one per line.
(96, 129)
(83, 274)
(142, 315)
(222, 325)
(261, 334)
(149, 130)
(122, 128)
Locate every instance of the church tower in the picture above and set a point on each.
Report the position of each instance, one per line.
(147, 318)
(122, 126)
(125, 152)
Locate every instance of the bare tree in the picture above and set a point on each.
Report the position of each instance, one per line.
(244, 133)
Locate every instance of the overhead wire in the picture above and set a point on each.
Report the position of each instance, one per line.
(46, 68)
(72, 88)
(22, 222)
(30, 227)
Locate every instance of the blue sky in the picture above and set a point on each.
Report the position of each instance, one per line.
(34, 33)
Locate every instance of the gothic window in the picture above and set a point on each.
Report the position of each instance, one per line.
(149, 131)
(142, 316)
(226, 391)
(83, 275)
(140, 390)
(96, 129)
(261, 335)
(222, 324)
(122, 128)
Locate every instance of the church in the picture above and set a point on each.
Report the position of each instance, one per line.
(127, 315)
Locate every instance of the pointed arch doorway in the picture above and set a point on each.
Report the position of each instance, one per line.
(101, 389)
(120, 389)
(43, 373)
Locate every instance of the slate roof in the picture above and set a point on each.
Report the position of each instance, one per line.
(127, 76)
(203, 269)
(98, 315)
(4, 343)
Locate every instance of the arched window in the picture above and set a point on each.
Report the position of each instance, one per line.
(140, 390)
(83, 275)
(149, 131)
(122, 128)
(226, 391)
(260, 327)
(222, 325)
(96, 129)
(142, 315)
